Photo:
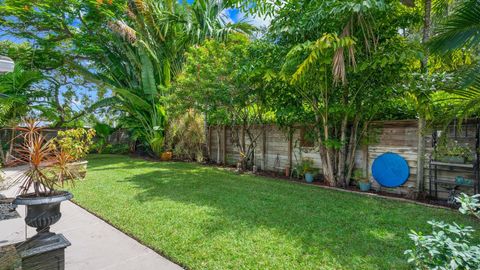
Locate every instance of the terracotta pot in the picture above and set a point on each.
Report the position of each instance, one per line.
(166, 156)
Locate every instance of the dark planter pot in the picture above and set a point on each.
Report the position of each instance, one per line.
(453, 159)
(309, 177)
(364, 186)
(42, 211)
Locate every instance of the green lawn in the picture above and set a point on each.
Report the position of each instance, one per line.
(209, 218)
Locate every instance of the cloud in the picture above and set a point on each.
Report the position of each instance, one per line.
(259, 21)
(237, 16)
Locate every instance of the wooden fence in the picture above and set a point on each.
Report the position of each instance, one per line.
(275, 150)
(120, 136)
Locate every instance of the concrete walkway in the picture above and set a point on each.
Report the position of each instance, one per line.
(95, 244)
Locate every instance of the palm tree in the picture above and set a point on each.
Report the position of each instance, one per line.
(146, 50)
(461, 30)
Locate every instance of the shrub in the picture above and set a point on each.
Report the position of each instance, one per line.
(120, 149)
(359, 177)
(102, 131)
(102, 148)
(448, 247)
(306, 166)
(447, 147)
(186, 136)
(75, 142)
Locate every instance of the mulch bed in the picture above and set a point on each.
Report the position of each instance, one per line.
(355, 189)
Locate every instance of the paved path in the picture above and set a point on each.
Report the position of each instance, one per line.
(95, 244)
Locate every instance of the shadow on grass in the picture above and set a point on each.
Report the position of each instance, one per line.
(331, 227)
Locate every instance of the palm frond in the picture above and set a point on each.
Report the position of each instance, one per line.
(461, 29)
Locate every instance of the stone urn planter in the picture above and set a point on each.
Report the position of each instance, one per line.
(42, 211)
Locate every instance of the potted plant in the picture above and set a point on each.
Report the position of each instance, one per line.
(166, 156)
(363, 182)
(306, 168)
(47, 167)
(75, 143)
(451, 151)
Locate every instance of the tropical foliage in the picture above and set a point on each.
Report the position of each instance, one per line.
(450, 245)
(461, 32)
(135, 48)
(18, 94)
(333, 65)
(74, 142)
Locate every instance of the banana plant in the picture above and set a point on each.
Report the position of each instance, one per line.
(146, 52)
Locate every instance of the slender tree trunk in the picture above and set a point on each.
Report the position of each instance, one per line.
(10, 149)
(322, 152)
(218, 145)
(329, 158)
(264, 148)
(421, 121)
(427, 21)
(207, 135)
(352, 148)
(342, 153)
(420, 155)
(2, 154)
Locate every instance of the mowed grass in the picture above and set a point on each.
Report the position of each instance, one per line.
(210, 218)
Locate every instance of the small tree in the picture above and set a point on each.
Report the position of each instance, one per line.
(217, 83)
(342, 111)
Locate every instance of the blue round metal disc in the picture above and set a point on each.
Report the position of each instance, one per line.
(390, 170)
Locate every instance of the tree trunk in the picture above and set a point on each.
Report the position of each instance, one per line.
(244, 150)
(207, 135)
(264, 148)
(352, 148)
(420, 155)
(224, 145)
(10, 149)
(427, 21)
(2, 154)
(342, 154)
(290, 149)
(329, 158)
(421, 121)
(218, 145)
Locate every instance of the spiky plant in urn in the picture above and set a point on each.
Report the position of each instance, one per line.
(47, 168)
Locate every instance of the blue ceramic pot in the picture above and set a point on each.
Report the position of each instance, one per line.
(309, 177)
(364, 186)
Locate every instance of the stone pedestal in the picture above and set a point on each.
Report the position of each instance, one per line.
(41, 252)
